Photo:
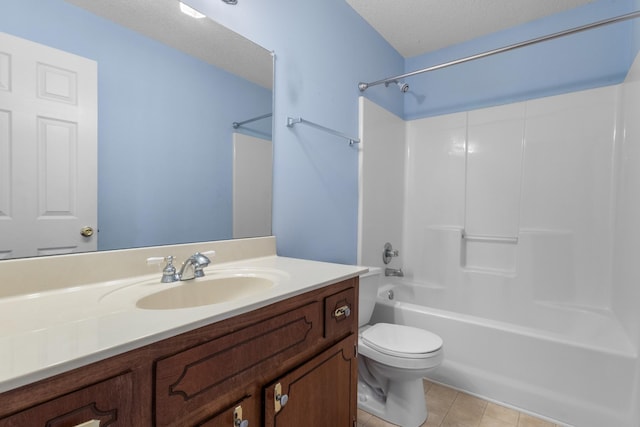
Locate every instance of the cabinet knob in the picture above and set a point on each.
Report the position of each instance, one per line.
(283, 399)
(237, 418)
(279, 399)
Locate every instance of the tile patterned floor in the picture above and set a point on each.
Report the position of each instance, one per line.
(451, 408)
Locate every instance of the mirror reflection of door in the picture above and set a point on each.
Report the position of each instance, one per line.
(252, 178)
(48, 150)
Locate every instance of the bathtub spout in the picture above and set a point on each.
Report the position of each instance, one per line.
(396, 272)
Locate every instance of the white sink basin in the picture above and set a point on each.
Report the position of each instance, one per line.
(205, 291)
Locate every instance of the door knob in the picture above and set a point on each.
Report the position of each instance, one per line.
(86, 231)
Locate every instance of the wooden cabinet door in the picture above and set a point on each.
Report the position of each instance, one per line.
(322, 392)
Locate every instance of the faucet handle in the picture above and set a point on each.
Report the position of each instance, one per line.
(207, 254)
(202, 261)
(168, 272)
(389, 253)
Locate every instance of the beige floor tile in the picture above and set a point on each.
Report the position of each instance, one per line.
(501, 413)
(450, 408)
(442, 392)
(450, 421)
(433, 420)
(526, 420)
(426, 384)
(438, 406)
(471, 403)
(363, 416)
(377, 422)
(440, 399)
(466, 410)
(488, 421)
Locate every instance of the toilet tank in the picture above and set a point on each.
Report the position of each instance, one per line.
(369, 284)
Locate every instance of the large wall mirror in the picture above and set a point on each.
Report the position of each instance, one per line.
(169, 89)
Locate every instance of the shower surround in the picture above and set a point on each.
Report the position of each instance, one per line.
(518, 224)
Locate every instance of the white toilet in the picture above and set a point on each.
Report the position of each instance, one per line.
(393, 359)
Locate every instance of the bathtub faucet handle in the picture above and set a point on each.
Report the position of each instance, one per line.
(389, 253)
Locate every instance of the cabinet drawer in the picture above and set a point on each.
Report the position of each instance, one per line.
(341, 314)
(108, 402)
(204, 378)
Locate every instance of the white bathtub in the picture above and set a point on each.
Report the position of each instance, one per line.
(567, 364)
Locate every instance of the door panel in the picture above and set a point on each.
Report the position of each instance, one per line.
(319, 393)
(48, 150)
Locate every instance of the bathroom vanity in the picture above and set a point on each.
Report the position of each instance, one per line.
(289, 360)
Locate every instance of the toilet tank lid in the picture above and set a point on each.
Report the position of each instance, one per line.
(387, 337)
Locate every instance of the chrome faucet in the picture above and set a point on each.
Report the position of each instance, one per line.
(191, 268)
(396, 272)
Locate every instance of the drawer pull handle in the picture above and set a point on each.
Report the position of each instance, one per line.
(345, 311)
(279, 399)
(237, 418)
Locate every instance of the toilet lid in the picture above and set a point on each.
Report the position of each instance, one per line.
(401, 340)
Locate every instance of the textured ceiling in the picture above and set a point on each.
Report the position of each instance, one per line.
(412, 27)
(415, 27)
(202, 38)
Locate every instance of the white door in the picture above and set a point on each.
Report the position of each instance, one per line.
(48, 150)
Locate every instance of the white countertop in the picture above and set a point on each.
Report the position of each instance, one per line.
(44, 334)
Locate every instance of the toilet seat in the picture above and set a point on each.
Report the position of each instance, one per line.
(401, 341)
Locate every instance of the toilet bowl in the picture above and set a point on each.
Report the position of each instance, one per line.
(393, 360)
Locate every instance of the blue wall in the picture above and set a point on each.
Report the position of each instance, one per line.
(589, 59)
(324, 49)
(636, 29)
(164, 125)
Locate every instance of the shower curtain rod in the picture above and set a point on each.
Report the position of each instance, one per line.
(364, 86)
(236, 125)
